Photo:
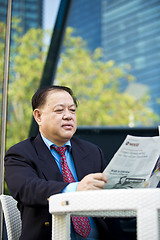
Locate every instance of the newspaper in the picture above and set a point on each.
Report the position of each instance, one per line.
(136, 164)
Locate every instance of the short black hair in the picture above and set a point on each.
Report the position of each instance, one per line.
(39, 98)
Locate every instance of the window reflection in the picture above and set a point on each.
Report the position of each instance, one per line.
(128, 34)
(28, 52)
(110, 57)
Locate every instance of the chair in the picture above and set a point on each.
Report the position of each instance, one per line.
(144, 204)
(11, 216)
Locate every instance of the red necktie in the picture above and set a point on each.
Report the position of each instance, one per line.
(81, 224)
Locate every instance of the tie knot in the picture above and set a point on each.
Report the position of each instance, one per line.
(60, 150)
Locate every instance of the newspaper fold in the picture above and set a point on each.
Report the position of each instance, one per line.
(136, 164)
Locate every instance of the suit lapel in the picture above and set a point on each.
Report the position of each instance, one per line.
(49, 166)
(80, 158)
(46, 161)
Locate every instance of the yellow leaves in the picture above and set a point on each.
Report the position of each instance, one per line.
(96, 83)
(110, 64)
(97, 54)
(27, 61)
(16, 25)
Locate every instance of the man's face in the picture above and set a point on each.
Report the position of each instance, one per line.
(57, 117)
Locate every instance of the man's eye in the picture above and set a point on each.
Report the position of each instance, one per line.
(73, 110)
(59, 110)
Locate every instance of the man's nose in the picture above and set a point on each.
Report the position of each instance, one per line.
(67, 114)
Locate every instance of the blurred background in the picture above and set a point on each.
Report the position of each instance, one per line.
(107, 51)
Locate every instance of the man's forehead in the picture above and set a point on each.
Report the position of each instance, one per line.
(58, 92)
(60, 98)
(64, 105)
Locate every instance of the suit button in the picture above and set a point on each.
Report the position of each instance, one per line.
(46, 224)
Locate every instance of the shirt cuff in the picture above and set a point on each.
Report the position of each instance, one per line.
(71, 187)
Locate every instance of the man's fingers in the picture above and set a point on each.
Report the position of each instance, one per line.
(99, 183)
(100, 177)
(92, 182)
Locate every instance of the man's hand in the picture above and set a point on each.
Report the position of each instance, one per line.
(93, 181)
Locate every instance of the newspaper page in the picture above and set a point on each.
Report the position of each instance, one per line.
(135, 164)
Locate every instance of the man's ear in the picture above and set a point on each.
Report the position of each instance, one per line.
(37, 115)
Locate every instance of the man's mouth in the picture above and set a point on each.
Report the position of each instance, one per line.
(67, 126)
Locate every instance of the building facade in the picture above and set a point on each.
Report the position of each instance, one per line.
(29, 11)
(129, 33)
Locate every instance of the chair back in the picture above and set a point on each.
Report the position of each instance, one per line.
(11, 216)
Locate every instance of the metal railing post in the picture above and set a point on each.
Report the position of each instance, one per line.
(4, 105)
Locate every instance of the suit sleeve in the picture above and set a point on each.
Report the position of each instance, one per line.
(26, 181)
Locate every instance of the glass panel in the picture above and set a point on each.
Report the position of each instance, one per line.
(30, 38)
(110, 58)
(49, 17)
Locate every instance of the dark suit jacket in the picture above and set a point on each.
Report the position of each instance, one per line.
(32, 176)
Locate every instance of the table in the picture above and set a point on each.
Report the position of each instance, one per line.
(141, 203)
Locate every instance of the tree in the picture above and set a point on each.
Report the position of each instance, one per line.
(96, 83)
(27, 58)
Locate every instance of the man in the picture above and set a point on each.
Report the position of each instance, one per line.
(33, 169)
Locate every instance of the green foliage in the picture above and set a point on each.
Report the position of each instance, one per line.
(96, 83)
(26, 65)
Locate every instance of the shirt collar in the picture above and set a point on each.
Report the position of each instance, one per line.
(49, 143)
